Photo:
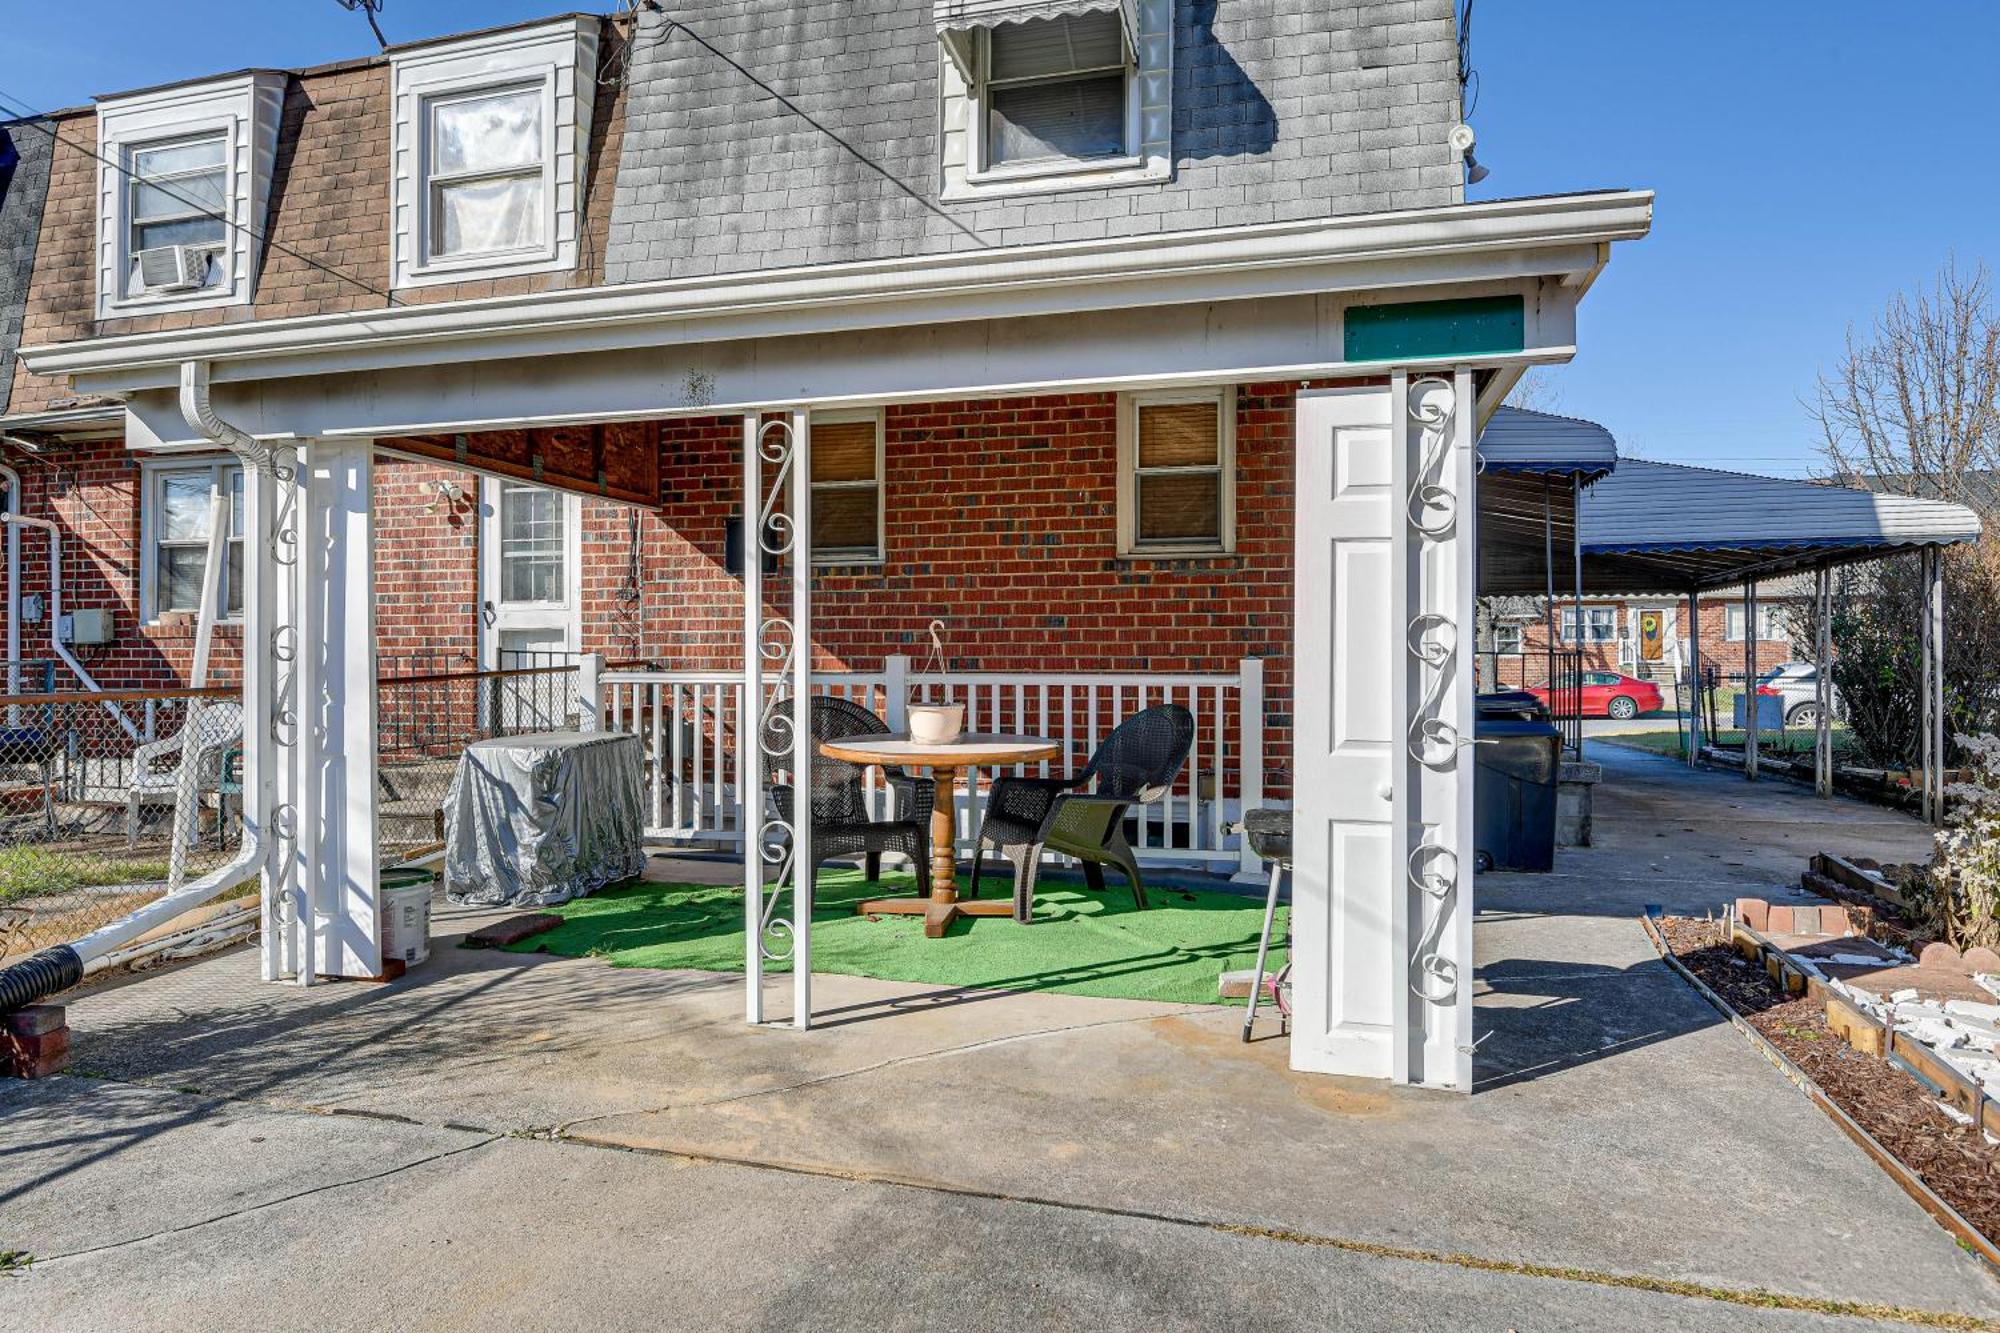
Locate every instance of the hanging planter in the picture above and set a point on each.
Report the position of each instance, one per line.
(936, 724)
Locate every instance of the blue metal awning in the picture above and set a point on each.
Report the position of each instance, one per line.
(1524, 442)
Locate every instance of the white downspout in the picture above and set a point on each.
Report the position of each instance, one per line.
(94, 949)
(56, 645)
(12, 480)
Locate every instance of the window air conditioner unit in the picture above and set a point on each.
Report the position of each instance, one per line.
(173, 268)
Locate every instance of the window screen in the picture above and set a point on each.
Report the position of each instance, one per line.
(1056, 90)
(1177, 481)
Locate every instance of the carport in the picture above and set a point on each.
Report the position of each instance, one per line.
(1670, 529)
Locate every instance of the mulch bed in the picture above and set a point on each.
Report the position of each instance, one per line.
(1955, 1160)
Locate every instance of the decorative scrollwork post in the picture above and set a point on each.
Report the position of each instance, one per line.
(1434, 794)
(775, 727)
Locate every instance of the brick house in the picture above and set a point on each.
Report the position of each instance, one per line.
(500, 336)
(1645, 637)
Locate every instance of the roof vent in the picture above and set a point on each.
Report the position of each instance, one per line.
(174, 268)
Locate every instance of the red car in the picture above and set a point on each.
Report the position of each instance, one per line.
(1607, 694)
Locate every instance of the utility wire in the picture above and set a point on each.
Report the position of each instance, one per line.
(15, 107)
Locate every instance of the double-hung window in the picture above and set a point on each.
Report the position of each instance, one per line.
(487, 156)
(533, 544)
(1600, 624)
(1177, 473)
(1056, 90)
(1507, 639)
(177, 522)
(847, 488)
(1770, 622)
(177, 195)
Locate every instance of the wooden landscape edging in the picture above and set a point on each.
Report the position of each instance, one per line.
(1946, 1216)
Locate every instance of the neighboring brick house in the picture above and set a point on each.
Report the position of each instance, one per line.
(1646, 636)
(1124, 336)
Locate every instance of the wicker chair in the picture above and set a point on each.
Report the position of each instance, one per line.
(841, 825)
(1024, 817)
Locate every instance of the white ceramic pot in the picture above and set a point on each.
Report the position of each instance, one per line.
(936, 724)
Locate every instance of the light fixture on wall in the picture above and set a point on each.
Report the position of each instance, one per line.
(1462, 140)
(444, 494)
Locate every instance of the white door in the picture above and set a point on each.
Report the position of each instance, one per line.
(530, 576)
(1346, 903)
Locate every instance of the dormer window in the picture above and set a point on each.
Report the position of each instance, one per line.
(487, 167)
(184, 180)
(491, 136)
(1041, 95)
(178, 198)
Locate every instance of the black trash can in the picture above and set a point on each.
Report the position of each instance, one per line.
(1514, 794)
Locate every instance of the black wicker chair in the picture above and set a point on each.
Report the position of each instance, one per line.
(841, 825)
(1024, 817)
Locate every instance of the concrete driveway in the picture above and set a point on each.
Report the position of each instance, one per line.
(506, 1141)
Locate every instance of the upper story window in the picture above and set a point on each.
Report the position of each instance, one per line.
(184, 185)
(1177, 473)
(1055, 91)
(488, 170)
(178, 199)
(1043, 95)
(490, 139)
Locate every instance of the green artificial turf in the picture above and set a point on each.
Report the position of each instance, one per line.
(1081, 943)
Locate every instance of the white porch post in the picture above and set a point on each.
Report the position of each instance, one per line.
(802, 735)
(331, 784)
(1932, 611)
(750, 723)
(270, 703)
(1382, 827)
(1250, 760)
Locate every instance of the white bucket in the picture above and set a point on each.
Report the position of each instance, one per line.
(406, 922)
(936, 724)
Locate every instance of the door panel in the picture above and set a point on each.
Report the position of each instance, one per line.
(1344, 893)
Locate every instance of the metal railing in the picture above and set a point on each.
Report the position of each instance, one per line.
(687, 721)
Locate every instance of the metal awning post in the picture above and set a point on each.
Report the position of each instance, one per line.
(1752, 732)
(804, 861)
(1549, 586)
(1576, 571)
(1932, 567)
(1694, 678)
(1823, 682)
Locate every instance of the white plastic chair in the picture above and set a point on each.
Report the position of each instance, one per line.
(154, 782)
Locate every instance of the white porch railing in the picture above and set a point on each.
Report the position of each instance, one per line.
(687, 721)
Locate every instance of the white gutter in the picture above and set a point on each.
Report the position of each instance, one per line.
(1080, 275)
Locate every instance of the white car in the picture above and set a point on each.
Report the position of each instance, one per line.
(1796, 684)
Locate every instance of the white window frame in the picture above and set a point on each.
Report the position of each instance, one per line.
(1735, 615)
(1129, 545)
(850, 555)
(429, 262)
(1507, 632)
(979, 169)
(559, 58)
(218, 250)
(497, 615)
(1593, 617)
(152, 472)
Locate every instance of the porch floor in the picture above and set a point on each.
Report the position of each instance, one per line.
(943, 1158)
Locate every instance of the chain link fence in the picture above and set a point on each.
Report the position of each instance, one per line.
(92, 788)
(93, 785)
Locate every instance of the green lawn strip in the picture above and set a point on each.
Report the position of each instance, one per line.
(1796, 741)
(27, 871)
(1081, 943)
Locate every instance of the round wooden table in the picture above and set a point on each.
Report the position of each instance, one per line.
(946, 762)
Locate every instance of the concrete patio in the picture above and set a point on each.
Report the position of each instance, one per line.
(503, 1140)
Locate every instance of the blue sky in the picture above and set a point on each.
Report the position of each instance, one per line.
(1811, 160)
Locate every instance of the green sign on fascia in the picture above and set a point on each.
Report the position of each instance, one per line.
(1471, 326)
